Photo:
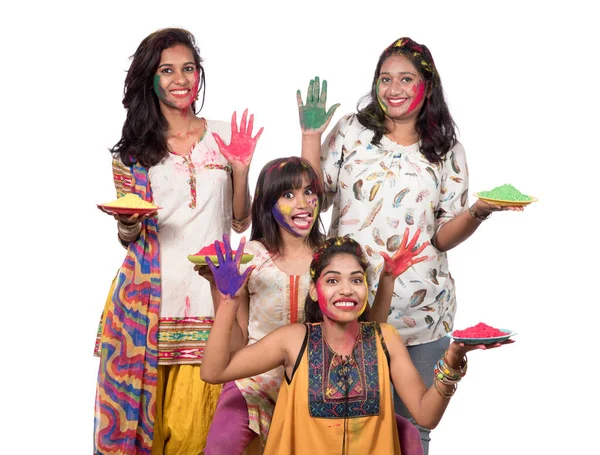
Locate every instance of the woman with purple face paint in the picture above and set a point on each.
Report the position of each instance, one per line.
(285, 234)
(150, 397)
(337, 396)
(396, 164)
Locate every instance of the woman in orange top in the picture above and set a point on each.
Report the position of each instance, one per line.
(336, 395)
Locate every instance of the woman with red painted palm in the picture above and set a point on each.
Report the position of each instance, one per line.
(150, 398)
(336, 397)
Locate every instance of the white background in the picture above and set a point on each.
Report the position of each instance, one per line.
(522, 83)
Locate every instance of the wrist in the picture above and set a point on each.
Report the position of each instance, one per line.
(478, 213)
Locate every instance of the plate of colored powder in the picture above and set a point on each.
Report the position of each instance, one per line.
(505, 195)
(211, 252)
(481, 334)
(130, 204)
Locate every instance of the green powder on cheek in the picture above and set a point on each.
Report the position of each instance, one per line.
(505, 192)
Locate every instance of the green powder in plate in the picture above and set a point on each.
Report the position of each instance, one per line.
(505, 192)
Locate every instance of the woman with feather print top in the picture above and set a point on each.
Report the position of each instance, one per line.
(397, 164)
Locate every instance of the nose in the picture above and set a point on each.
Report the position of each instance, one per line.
(303, 200)
(346, 288)
(179, 78)
(395, 87)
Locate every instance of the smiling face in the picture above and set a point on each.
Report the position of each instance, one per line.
(176, 79)
(341, 289)
(400, 88)
(296, 210)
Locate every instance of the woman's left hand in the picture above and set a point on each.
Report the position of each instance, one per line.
(241, 148)
(405, 256)
(483, 208)
(460, 349)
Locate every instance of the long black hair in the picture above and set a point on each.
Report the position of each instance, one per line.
(331, 248)
(435, 126)
(276, 178)
(143, 137)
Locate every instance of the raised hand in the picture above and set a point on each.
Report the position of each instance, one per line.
(404, 257)
(242, 145)
(313, 117)
(227, 274)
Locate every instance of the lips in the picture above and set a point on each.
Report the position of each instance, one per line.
(396, 102)
(302, 220)
(180, 93)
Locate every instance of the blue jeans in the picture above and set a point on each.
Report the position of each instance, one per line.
(424, 356)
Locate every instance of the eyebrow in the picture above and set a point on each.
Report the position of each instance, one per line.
(360, 272)
(399, 72)
(170, 64)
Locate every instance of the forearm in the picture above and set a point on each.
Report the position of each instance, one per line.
(241, 194)
(435, 401)
(457, 230)
(217, 353)
(238, 337)
(383, 298)
(311, 151)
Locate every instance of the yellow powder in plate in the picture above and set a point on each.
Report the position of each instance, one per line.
(130, 201)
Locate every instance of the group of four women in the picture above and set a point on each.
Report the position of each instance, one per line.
(307, 335)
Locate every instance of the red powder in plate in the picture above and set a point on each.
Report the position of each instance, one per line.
(480, 330)
(210, 250)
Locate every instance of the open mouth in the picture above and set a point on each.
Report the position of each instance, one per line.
(345, 304)
(395, 102)
(183, 93)
(302, 220)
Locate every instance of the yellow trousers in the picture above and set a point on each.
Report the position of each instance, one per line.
(184, 410)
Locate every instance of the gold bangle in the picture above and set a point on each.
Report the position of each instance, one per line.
(129, 232)
(442, 393)
(462, 369)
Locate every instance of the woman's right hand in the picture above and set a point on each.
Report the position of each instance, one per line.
(227, 274)
(405, 256)
(128, 219)
(313, 117)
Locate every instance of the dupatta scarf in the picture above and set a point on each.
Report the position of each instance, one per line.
(126, 389)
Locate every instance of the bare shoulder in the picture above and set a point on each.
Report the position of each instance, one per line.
(391, 336)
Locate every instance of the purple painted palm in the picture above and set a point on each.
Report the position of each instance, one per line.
(227, 274)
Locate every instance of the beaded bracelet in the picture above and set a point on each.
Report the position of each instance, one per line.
(462, 369)
(474, 214)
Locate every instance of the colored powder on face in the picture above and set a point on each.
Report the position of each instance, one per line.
(160, 92)
(506, 192)
(130, 201)
(420, 89)
(480, 330)
(366, 296)
(280, 218)
(383, 106)
(322, 299)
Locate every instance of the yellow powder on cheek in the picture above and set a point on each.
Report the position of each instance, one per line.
(130, 201)
(285, 209)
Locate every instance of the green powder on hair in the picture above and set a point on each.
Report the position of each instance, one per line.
(505, 192)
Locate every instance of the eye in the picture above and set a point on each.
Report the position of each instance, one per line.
(407, 79)
(288, 195)
(166, 70)
(331, 281)
(385, 79)
(309, 191)
(189, 69)
(357, 281)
